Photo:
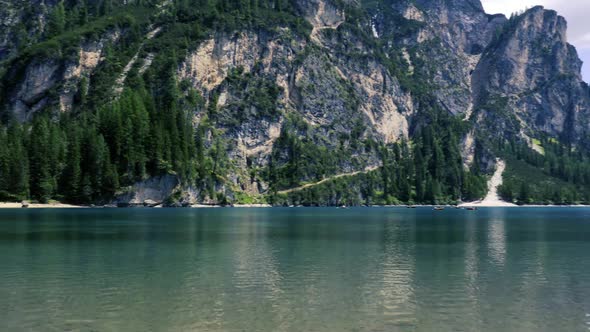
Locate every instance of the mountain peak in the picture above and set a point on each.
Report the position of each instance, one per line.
(463, 5)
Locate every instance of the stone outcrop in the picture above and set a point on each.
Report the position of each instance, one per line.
(21, 22)
(49, 82)
(154, 190)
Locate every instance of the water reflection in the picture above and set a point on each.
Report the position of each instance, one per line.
(471, 260)
(294, 270)
(497, 238)
(398, 267)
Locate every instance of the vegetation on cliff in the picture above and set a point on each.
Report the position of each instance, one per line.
(133, 118)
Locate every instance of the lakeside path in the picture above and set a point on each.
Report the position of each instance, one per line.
(313, 184)
(492, 199)
(9, 205)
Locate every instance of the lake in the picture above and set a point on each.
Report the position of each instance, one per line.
(295, 269)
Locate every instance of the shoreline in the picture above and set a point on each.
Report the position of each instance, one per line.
(483, 204)
(56, 205)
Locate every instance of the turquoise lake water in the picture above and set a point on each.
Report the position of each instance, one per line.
(295, 269)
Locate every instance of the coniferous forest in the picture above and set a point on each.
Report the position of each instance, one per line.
(112, 139)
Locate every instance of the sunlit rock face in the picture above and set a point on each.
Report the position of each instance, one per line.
(461, 53)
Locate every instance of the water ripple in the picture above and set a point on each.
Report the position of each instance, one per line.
(295, 270)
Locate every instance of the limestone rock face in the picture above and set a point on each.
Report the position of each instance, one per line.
(155, 190)
(533, 68)
(21, 21)
(462, 54)
(448, 39)
(313, 78)
(49, 82)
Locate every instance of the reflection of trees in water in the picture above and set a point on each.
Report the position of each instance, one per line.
(497, 238)
(395, 289)
(310, 269)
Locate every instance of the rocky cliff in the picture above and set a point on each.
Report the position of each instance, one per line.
(372, 71)
(534, 74)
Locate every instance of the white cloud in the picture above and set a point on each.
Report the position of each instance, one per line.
(583, 40)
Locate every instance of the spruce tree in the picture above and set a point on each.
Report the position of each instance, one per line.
(57, 20)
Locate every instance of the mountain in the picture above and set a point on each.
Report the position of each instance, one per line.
(311, 102)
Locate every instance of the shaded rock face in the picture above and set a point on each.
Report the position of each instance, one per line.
(156, 189)
(24, 22)
(8, 20)
(449, 42)
(39, 78)
(537, 72)
(19, 21)
(53, 83)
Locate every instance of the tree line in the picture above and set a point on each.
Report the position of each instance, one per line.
(107, 142)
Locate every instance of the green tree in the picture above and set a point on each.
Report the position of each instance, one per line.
(57, 20)
(42, 183)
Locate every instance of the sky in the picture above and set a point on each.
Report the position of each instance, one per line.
(576, 12)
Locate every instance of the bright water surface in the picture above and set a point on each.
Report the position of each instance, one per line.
(308, 269)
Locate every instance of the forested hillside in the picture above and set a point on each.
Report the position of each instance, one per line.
(237, 101)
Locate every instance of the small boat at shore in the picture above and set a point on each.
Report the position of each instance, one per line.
(439, 208)
(411, 206)
(471, 208)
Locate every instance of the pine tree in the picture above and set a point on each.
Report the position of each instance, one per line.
(106, 7)
(57, 20)
(42, 183)
(524, 193)
(83, 13)
(17, 162)
(71, 180)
